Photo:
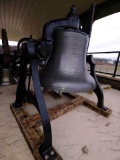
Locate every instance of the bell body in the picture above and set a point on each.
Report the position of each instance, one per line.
(66, 68)
(6, 77)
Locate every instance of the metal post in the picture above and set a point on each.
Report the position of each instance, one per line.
(116, 65)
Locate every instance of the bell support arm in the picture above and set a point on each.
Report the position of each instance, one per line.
(25, 39)
(21, 88)
(46, 148)
(98, 91)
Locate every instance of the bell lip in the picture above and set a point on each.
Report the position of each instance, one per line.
(67, 90)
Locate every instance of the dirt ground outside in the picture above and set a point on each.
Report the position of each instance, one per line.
(107, 68)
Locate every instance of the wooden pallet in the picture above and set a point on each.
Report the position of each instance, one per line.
(33, 134)
(103, 86)
(30, 124)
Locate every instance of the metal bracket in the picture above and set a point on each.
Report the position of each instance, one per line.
(98, 91)
(70, 21)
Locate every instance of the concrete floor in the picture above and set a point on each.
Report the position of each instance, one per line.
(81, 134)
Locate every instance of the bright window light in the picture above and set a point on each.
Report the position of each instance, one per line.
(11, 43)
(106, 35)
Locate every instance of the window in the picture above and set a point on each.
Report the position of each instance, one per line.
(105, 38)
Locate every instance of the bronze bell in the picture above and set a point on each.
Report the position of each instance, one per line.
(6, 77)
(66, 67)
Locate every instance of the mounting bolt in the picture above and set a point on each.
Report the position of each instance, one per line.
(46, 157)
(52, 152)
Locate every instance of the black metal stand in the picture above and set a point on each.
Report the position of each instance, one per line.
(98, 91)
(46, 150)
(30, 56)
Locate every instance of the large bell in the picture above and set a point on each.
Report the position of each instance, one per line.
(6, 77)
(66, 68)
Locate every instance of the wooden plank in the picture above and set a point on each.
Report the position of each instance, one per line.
(93, 106)
(33, 135)
(30, 124)
(105, 86)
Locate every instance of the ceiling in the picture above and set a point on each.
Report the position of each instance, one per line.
(21, 18)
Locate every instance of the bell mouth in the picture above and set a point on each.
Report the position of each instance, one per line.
(68, 90)
(64, 83)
